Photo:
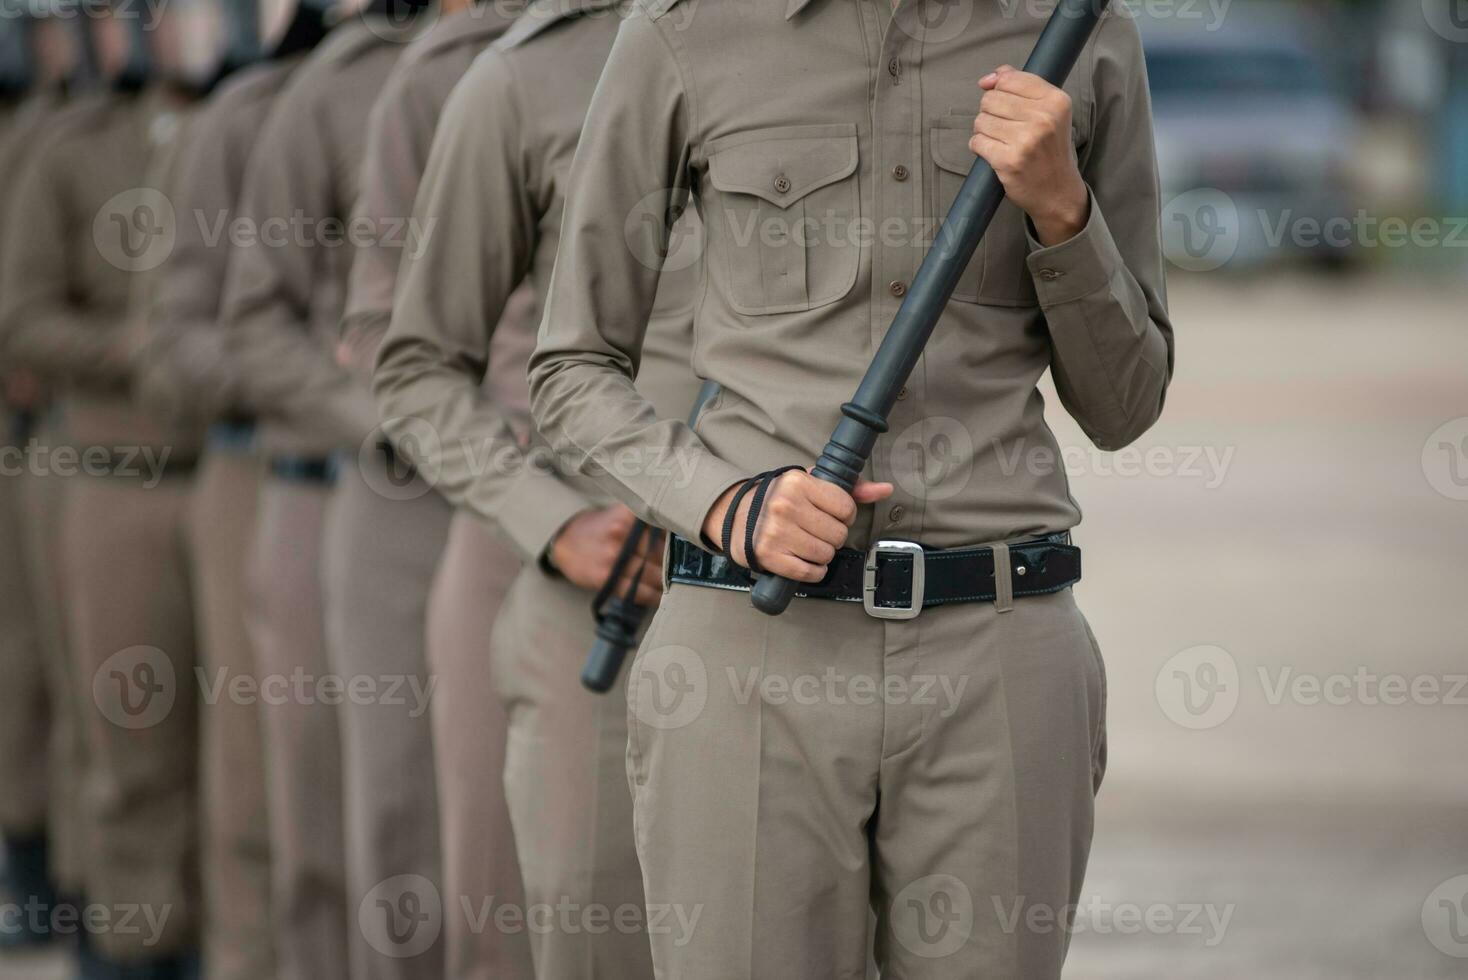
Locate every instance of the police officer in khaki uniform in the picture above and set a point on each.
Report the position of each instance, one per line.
(386, 530)
(938, 763)
(282, 309)
(84, 229)
(27, 758)
(184, 373)
(61, 852)
(502, 151)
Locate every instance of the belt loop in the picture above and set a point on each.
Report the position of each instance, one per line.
(1003, 582)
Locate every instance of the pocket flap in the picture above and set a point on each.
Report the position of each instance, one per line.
(783, 165)
(950, 148)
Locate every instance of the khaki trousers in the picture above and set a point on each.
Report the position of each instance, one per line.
(790, 771)
(384, 535)
(236, 844)
(302, 743)
(565, 778)
(66, 744)
(481, 871)
(24, 713)
(132, 639)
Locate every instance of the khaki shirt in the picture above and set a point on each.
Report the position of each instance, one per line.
(399, 136)
(284, 294)
(819, 138)
(81, 225)
(183, 368)
(495, 183)
(21, 126)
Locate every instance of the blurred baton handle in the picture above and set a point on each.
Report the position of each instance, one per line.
(618, 618)
(865, 416)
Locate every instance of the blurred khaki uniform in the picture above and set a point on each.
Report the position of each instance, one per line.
(282, 312)
(29, 757)
(820, 139)
(84, 229)
(506, 141)
(184, 372)
(41, 494)
(387, 533)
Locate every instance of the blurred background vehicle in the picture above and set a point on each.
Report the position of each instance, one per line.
(1253, 111)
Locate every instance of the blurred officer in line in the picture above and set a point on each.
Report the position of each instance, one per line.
(281, 312)
(385, 535)
(39, 766)
(495, 183)
(185, 374)
(85, 239)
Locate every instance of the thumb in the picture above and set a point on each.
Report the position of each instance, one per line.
(867, 492)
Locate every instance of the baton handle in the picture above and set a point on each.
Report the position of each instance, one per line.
(865, 416)
(616, 633)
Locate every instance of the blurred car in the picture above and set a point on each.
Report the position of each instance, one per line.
(1253, 143)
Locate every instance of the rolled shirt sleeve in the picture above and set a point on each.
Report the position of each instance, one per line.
(1103, 292)
(632, 159)
(451, 296)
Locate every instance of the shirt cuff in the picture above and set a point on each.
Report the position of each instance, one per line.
(684, 505)
(533, 510)
(1073, 269)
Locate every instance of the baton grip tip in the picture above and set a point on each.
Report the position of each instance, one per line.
(771, 595)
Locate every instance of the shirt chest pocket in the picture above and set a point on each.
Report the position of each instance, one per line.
(788, 201)
(998, 274)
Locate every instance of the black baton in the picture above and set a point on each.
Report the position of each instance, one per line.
(865, 416)
(618, 618)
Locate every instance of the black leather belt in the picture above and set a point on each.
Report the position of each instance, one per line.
(898, 579)
(303, 469)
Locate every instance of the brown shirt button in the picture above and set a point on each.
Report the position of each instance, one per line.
(898, 287)
(899, 172)
(894, 68)
(895, 514)
(782, 184)
(902, 394)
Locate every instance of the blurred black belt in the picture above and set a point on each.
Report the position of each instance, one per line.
(234, 435)
(22, 426)
(303, 469)
(899, 579)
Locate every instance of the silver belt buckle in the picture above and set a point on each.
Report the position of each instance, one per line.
(869, 580)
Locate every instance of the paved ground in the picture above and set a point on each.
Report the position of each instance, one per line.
(1263, 828)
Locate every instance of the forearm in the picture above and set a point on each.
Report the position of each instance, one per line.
(438, 416)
